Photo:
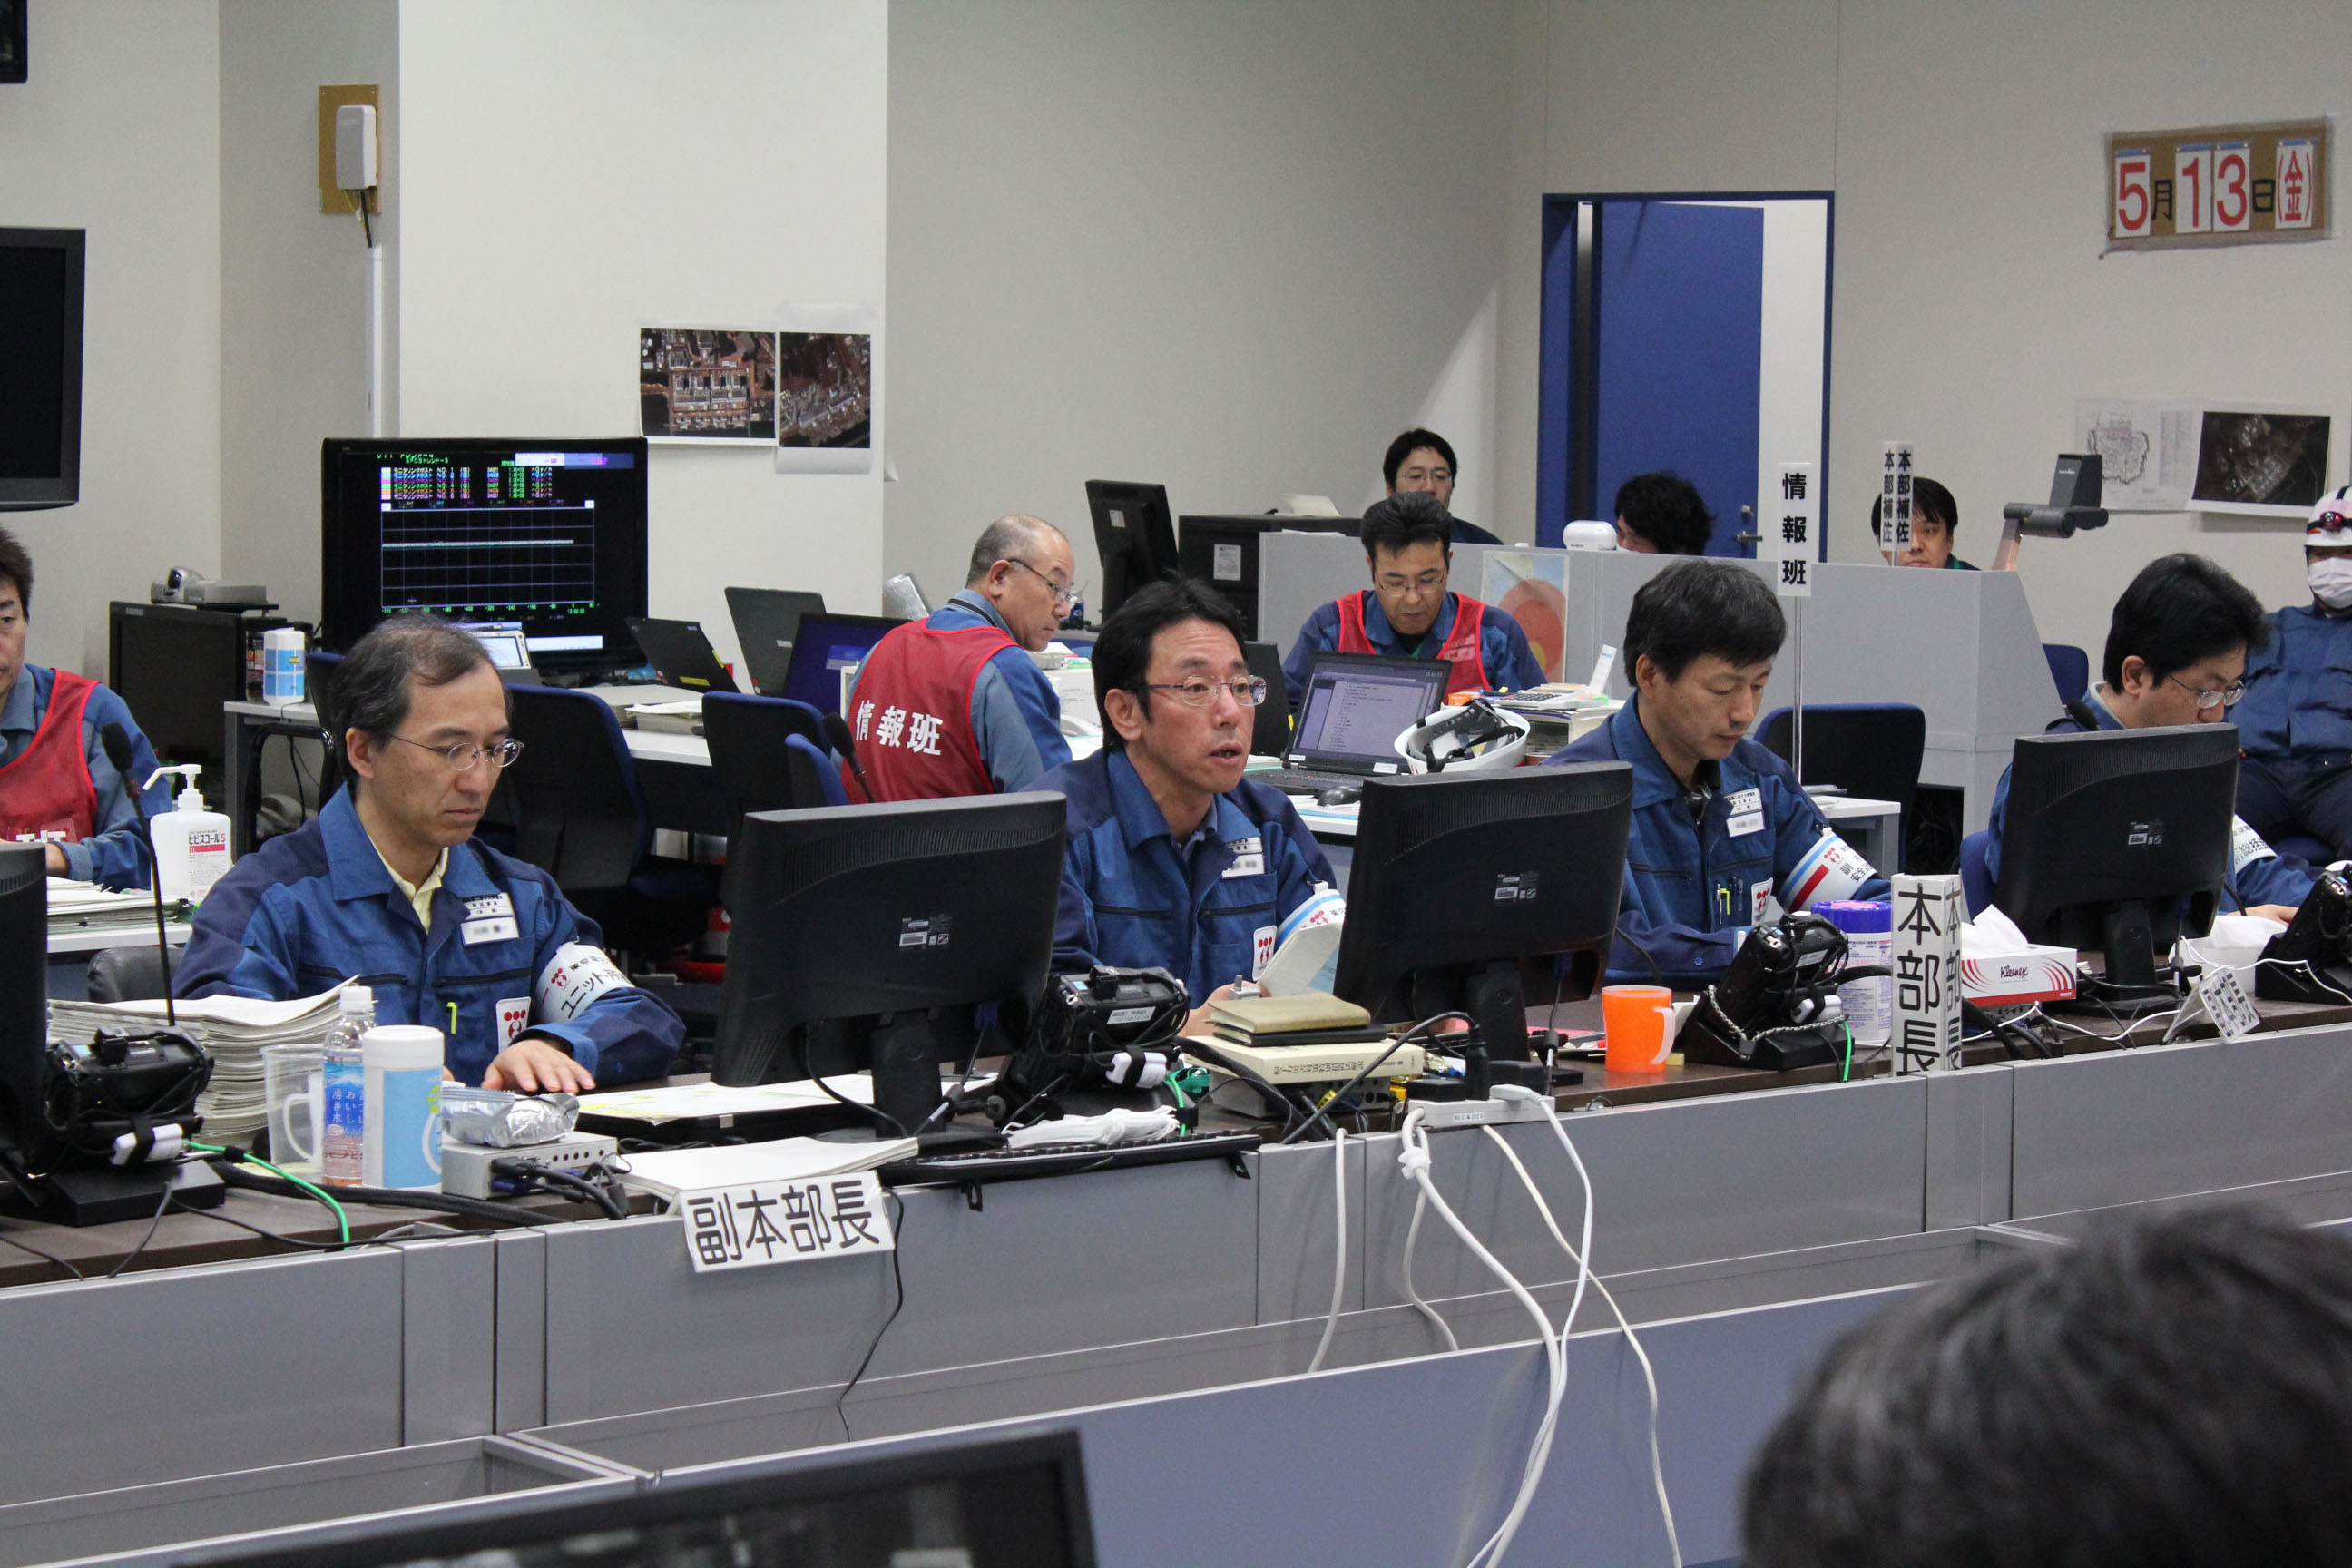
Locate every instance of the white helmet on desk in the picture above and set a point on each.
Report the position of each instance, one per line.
(1477, 734)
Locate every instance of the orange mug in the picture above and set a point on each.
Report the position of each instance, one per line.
(1638, 1022)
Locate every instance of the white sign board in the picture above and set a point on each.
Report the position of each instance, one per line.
(760, 1223)
(1929, 913)
(1894, 500)
(1791, 537)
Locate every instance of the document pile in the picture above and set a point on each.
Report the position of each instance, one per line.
(1310, 1038)
(83, 906)
(1557, 713)
(667, 1173)
(231, 1029)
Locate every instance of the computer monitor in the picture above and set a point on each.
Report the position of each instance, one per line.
(1355, 705)
(1005, 1502)
(1466, 887)
(174, 665)
(1135, 535)
(1223, 551)
(823, 645)
(2119, 840)
(1270, 730)
(766, 621)
(23, 992)
(866, 936)
(504, 642)
(40, 367)
(547, 532)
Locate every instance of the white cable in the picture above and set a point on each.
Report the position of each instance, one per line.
(1415, 1160)
(1413, 1292)
(1339, 1261)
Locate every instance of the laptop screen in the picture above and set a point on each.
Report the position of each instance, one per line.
(504, 640)
(1354, 708)
(822, 646)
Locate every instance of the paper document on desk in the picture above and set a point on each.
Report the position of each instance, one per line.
(231, 1029)
(667, 1173)
(78, 904)
(690, 1101)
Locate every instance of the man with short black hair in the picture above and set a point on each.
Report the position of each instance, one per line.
(57, 787)
(1934, 529)
(1410, 612)
(1175, 859)
(389, 888)
(2176, 653)
(2173, 1392)
(1661, 514)
(1423, 460)
(1724, 837)
(952, 704)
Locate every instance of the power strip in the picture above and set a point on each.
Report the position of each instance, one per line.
(466, 1167)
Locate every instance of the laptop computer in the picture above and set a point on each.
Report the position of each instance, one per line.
(826, 644)
(1354, 707)
(509, 654)
(765, 620)
(682, 655)
(1271, 735)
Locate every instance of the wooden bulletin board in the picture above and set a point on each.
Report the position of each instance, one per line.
(2217, 185)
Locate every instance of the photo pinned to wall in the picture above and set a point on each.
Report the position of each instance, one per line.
(1533, 589)
(825, 390)
(2147, 447)
(703, 386)
(2263, 465)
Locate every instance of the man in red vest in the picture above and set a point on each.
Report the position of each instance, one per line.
(953, 704)
(56, 785)
(1409, 610)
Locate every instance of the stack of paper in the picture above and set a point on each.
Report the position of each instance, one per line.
(231, 1029)
(76, 905)
(692, 1101)
(667, 1173)
(1303, 1019)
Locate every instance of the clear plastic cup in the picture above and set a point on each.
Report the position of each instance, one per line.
(293, 1090)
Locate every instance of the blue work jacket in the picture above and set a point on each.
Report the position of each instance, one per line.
(313, 908)
(1503, 648)
(2258, 874)
(1693, 889)
(1131, 898)
(2298, 703)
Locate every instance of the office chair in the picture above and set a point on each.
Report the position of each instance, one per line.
(1870, 751)
(579, 815)
(127, 974)
(755, 766)
(815, 777)
(2070, 667)
(1975, 881)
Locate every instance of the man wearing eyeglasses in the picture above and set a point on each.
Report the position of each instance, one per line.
(1175, 861)
(953, 704)
(388, 888)
(2175, 653)
(1409, 612)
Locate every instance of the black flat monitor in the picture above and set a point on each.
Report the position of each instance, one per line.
(1223, 551)
(1466, 889)
(173, 665)
(1010, 1503)
(766, 620)
(547, 532)
(823, 645)
(1270, 729)
(866, 936)
(40, 366)
(23, 992)
(1135, 535)
(2119, 840)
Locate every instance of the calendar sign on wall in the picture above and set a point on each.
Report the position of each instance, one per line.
(2217, 185)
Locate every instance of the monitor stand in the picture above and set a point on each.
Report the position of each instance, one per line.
(2135, 985)
(107, 1195)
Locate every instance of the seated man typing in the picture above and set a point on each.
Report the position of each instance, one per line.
(388, 887)
(1174, 859)
(2176, 651)
(1724, 837)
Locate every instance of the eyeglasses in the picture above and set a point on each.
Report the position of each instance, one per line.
(1064, 594)
(1199, 692)
(1429, 582)
(464, 753)
(2209, 700)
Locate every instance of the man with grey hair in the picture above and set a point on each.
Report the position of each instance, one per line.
(388, 888)
(953, 704)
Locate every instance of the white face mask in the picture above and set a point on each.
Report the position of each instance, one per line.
(2331, 581)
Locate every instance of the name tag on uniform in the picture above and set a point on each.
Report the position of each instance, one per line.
(488, 919)
(1249, 857)
(1747, 809)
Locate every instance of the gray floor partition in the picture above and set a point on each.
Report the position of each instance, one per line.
(1960, 645)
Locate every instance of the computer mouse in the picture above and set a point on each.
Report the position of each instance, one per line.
(1338, 794)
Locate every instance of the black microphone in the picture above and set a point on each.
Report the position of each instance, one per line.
(115, 743)
(837, 730)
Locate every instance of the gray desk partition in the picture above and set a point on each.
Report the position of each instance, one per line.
(1960, 645)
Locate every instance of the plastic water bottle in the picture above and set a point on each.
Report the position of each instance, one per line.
(342, 1143)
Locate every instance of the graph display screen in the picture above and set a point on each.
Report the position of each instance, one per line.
(548, 534)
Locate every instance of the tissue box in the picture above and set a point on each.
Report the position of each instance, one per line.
(2019, 979)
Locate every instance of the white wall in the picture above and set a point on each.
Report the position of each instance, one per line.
(292, 278)
(1971, 303)
(573, 168)
(117, 131)
(1233, 246)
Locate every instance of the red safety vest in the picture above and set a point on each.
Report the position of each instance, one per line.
(912, 717)
(46, 793)
(1462, 647)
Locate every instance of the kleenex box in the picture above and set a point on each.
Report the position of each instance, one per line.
(2019, 979)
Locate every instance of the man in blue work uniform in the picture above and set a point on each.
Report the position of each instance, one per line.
(388, 887)
(2175, 651)
(2295, 723)
(952, 704)
(1409, 612)
(1174, 859)
(1421, 460)
(1724, 837)
(57, 787)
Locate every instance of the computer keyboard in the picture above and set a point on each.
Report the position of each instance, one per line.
(966, 1166)
(1298, 781)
